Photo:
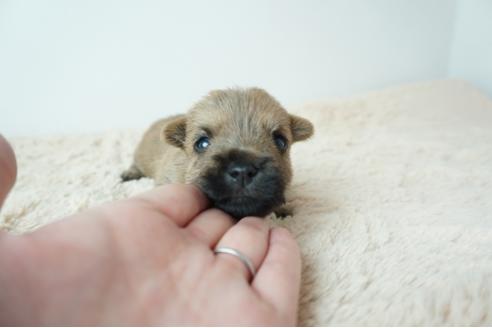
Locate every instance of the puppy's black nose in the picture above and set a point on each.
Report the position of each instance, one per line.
(241, 174)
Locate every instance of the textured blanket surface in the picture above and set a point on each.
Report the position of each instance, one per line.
(393, 202)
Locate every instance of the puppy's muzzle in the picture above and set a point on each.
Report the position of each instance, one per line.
(243, 184)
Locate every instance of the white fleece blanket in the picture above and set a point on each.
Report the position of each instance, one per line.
(393, 202)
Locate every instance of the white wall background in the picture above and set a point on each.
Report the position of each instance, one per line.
(85, 66)
(471, 53)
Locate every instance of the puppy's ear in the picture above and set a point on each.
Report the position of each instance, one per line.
(301, 128)
(175, 132)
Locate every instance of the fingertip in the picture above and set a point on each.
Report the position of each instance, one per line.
(191, 190)
(210, 225)
(179, 193)
(282, 233)
(179, 202)
(254, 222)
(283, 236)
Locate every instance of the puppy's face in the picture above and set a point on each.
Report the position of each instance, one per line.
(238, 144)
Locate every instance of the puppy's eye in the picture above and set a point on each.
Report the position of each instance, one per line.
(280, 141)
(202, 144)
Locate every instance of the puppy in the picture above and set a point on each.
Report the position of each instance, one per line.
(233, 144)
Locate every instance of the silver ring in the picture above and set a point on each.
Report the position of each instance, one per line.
(243, 258)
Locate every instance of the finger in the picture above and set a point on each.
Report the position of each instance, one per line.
(179, 202)
(250, 237)
(8, 169)
(210, 226)
(278, 278)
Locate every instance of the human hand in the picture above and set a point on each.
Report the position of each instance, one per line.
(8, 169)
(149, 260)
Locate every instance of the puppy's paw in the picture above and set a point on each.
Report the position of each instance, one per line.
(283, 211)
(133, 173)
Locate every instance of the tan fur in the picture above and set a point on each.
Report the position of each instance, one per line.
(239, 119)
(155, 158)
